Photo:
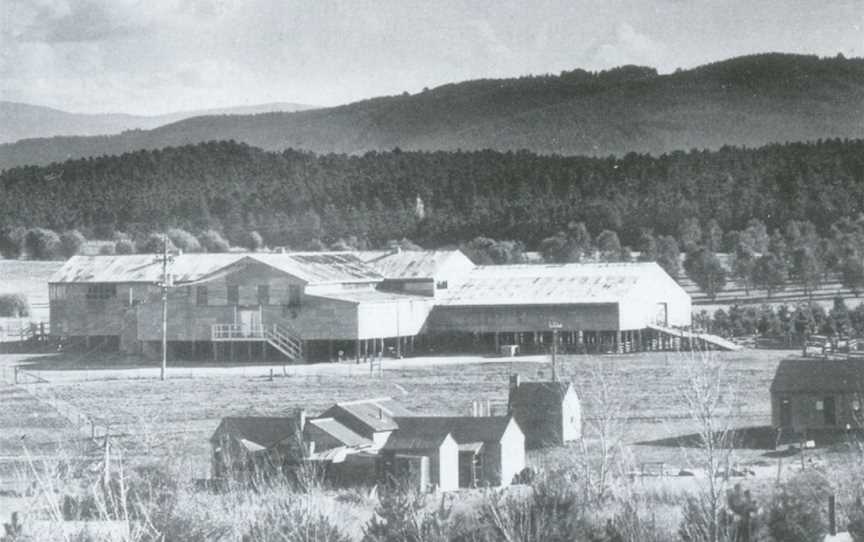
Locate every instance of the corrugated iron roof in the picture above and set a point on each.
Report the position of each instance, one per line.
(416, 437)
(539, 395)
(530, 284)
(314, 268)
(465, 429)
(338, 431)
(371, 296)
(265, 431)
(410, 264)
(809, 375)
(377, 414)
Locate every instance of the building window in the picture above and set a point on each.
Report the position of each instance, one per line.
(233, 294)
(263, 294)
(441, 285)
(201, 296)
(57, 292)
(101, 291)
(294, 295)
(820, 405)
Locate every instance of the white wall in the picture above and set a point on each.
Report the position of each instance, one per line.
(448, 465)
(571, 416)
(512, 452)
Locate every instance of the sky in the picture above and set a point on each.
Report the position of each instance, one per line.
(160, 56)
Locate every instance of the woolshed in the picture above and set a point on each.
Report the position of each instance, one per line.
(608, 307)
(549, 412)
(229, 306)
(816, 395)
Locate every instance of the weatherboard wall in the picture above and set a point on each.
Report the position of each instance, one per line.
(521, 318)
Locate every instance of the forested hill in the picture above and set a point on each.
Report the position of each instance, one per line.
(295, 197)
(748, 101)
(20, 121)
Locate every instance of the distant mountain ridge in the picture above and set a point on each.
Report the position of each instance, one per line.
(749, 101)
(25, 121)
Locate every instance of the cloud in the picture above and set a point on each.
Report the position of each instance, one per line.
(628, 47)
(70, 21)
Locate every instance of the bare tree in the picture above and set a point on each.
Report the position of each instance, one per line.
(710, 400)
(603, 432)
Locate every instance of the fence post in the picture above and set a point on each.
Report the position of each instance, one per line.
(832, 519)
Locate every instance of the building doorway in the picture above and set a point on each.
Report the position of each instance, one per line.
(785, 414)
(249, 320)
(830, 411)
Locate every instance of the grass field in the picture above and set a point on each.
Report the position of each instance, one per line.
(154, 419)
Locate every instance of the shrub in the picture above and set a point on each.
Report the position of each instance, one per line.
(552, 512)
(42, 244)
(856, 522)
(401, 516)
(184, 240)
(212, 241)
(294, 519)
(796, 512)
(14, 306)
(71, 242)
(252, 240)
(153, 243)
(12, 241)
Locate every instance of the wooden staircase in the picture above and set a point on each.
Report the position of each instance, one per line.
(706, 339)
(284, 340)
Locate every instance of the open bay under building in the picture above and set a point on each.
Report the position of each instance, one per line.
(353, 305)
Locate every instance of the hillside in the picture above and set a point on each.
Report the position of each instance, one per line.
(747, 101)
(22, 121)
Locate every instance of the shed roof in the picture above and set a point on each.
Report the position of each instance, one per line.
(265, 431)
(810, 375)
(530, 284)
(339, 432)
(416, 437)
(465, 429)
(370, 296)
(412, 264)
(317, 267)
(539, 395)
(377, 414)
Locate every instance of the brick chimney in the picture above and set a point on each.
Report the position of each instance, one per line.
(514, 385)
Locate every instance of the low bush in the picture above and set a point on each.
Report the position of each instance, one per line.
(796, 513)
(14, 306)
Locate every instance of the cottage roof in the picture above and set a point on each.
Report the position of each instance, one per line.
(412, 264)
(370, 296)
(539, 395)
(311, 267)
(809, 375)
(416, 436)
(532, 284)
(465, 429)
(377, 414)
(263, 431)
(339, 432)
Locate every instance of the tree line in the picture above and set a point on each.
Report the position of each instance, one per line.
(563, 207)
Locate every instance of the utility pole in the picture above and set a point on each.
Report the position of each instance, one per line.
(555, 326)
(164, 307)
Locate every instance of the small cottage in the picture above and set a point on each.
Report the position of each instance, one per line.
(548, 412)
(244, 447)
(422, 456)
(491, 449)
(812, 394)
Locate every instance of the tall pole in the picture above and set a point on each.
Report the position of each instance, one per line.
(164, 306)
(554, 355)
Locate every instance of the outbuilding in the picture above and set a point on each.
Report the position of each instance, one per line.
(817, 395)
(550, 412)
